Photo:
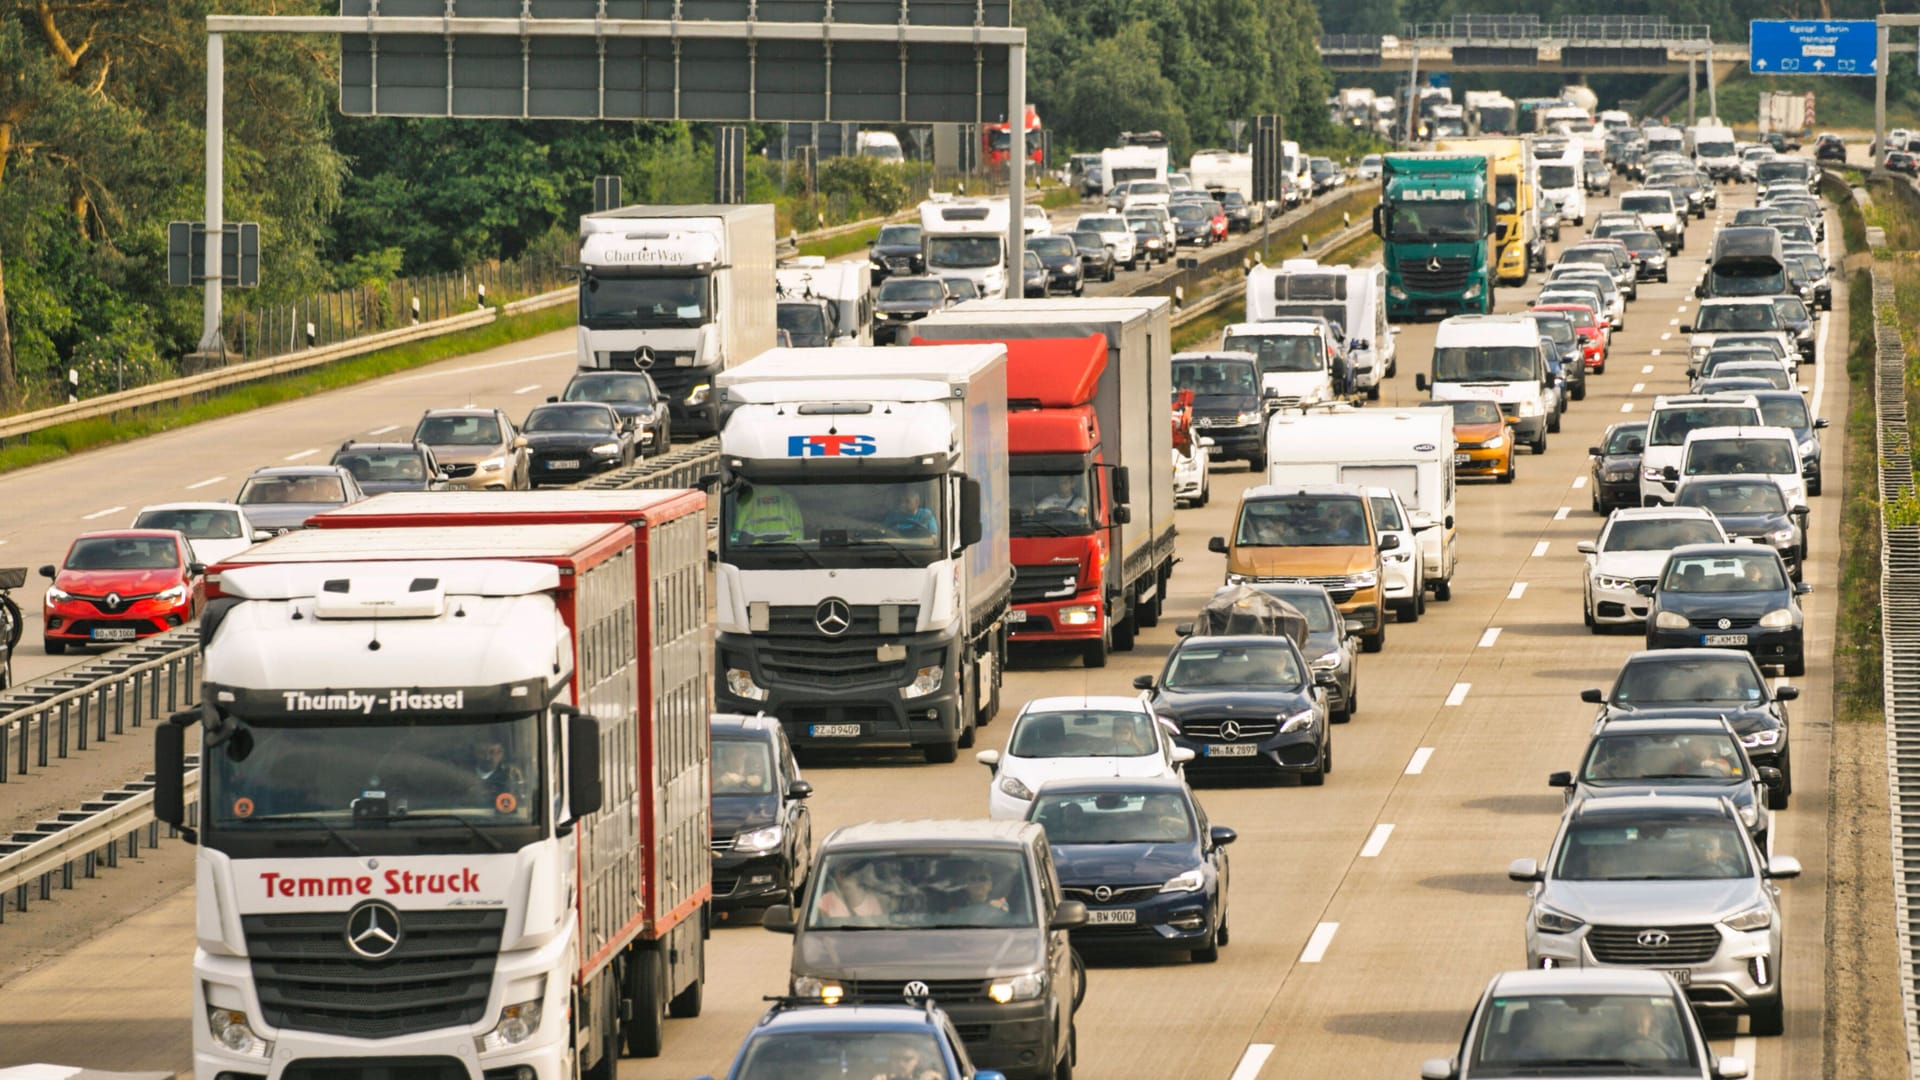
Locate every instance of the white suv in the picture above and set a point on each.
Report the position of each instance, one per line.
(1114, 232)
(1631, 549)
(1670, 421)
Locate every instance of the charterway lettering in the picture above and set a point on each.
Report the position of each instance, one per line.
(367, 703)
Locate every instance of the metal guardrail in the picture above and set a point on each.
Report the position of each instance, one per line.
(81, 842)
(678, 468)
(73, 708)
(1231, 291)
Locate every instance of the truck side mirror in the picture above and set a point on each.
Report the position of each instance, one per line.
(779, 919)
(1122, 515)
(970, 524)
(1379, 220)
(170, 773)
(584, 795)
(1122, 483)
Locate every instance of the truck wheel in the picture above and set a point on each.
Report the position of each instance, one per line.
(608, 1067)
(647, 990)
(687, 1003)
(941, 753)
(1148, 613)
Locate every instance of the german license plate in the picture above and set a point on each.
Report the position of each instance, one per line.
(1016, 616)
(1723, 639)
(112, 633)
(833, 731)
(570, 463)
(1462, 459)
(1116, 917)
(1231, 749)
(1683, 976)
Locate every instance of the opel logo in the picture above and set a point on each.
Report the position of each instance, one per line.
(373, 929)
(113, 601)
(1103, 893)
(917, 989)
(1230, 730)
(1654, 939)
(1726, 624)
(833, 616)
(1433, 265)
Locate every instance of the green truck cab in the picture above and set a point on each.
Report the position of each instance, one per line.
(1435, 221)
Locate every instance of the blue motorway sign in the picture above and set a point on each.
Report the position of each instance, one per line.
(1812, 47)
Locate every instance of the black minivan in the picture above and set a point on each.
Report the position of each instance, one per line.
(1226, 403)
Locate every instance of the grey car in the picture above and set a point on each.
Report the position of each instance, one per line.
(1331, 645)
(1667, 882)
(1674, 755)
(281, 498)
(968, 913)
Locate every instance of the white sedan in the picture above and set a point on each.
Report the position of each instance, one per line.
(1630, 552)
(1074, 738)
(214, 530)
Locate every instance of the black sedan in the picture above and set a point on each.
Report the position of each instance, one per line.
(903, 300)
(390, 466)
(1062, 260)
(896, 251)
(1674, 755)
(1141, 854)
(762, 829)
(1752, 508)
(1614, 466)
(635, 396)
(1788, 409)
(571, 441)
(1033, 276)
(1708, 683)
(1192, 223)
(1331, 643)
(1649, 254)
(1096, 258)
(1729, 596)
(1151, 238)
(1245, 704)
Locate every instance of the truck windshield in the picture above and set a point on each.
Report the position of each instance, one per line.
(610, 302)
(837, 1052)
(1049, 504)
(954, 888)
(1281, 352)
(375, 785)
(1485, 363)
(1435, 222)
(1495, 119)
(1556, 176)
(963, 252)
(856, 523)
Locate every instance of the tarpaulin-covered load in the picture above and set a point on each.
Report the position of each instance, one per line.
(1242, 609)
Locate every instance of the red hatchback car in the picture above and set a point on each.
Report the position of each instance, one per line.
(1592, 331)
(120, 585)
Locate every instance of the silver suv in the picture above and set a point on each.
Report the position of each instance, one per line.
(1671, 883)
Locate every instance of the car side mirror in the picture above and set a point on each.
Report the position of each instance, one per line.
(1782, 867)
(800, 789)
(1181, 755)
(1645, 588)
(1525, 870)
(1143, 682)
(1594, 451)
(1070, 915)
(47, 571)
(1670, 474)
(1438, 1069)
(1771, 776)
(1221, 836)
(1819, 422)
(261, 534)
(1205, 440)
(519, 442)
(989, 1074)
(1686, 328)
(1184, 629)
(1560, 779)
(551, 398)
(196, 569)
(1587, 547)
(1420, 381)
(1700, 290)
(1802, 589)
(1390, 542)
(1352, 626)
(1215, 544)
(1730, 1068)
(1789, 692)
(779, 919)
(989, 758)
(1325, 678)
(1592, 696)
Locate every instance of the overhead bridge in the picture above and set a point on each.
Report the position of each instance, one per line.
(1575, 44)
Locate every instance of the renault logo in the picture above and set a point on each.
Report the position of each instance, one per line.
(113, 601)
(833, 616)
(916, 989)
(1433, 265)
(1654, 939)
(1726, 624)
(1103, 893)
(373, 929)
(1230, 730)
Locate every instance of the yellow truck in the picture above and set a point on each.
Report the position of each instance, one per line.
(1515, 223)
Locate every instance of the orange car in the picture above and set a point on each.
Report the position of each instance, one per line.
(1483, 438)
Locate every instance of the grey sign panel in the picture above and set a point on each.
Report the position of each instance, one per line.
(865, 12)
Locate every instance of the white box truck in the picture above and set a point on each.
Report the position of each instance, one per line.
(825, 303)
(967, 238)
(864, 575)
(1353, 297)
(683, 292)
(1561, 180)
(1119, 164)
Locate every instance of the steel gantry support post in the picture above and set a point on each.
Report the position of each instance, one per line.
(1016, 171)
(212, 342)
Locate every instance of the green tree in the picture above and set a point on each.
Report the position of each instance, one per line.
(1117, 86)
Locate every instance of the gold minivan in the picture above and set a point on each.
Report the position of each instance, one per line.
(1318, 533)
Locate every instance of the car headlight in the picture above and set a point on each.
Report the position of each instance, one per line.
(1297, 721)
(605, 450)
(1555, 922)
(1079, 615)
(175, 595)
(1757, 917)
(1248, 417)
(1669, 620)
(1781, 536)
(759, 839)
(826, 990)
(1018, 988)
(1238, 579)
(493, 464)
(1191, 881)
(1397, 557)
(517, 1024)
(1619, 474)
(740, 684)
(1763, 737)
(1698, 352)
(1011, 785)
(234, 1033)
(1363, 579)
(1777, 619)
(1529, 407)
(1608, 581)
(1749, 815)
(1648, 472)
(1494, 443)
(925, 681)
(1656, 259)
(1809, 448)
(1329, 661)
(57, 595)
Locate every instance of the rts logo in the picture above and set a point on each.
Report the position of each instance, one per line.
(831, 445)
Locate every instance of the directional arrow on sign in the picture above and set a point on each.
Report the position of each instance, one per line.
(1819, 65)
(1761, 64)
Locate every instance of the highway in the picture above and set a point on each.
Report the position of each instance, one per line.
(1366, 914)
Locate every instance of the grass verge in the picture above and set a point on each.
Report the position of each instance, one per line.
(1856, 650)
(834, 247)
(72, 438)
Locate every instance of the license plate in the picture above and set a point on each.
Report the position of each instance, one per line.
(112, 633)
(1213, 451)
(1016, 616)
(571, 463)
(1231, 750)
(1117, 917)
(1462, 459)
(833, 731)
(1683, 976)
(1723, 639)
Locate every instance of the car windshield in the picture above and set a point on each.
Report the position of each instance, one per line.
(952, 888)
(584, 419)
(1049, 504)
(195, 524)
(368, 465)
(1485, 363)
(1655, 534)
(1303, 521)
(742, 767)
(1733, 497)
(1200, 665)
(1189, 212)
(622, 387)
(898, 236)
(1627, 439)
(458, 431)
(1386, 513)
(1740, 455)
(1769, 375)
(1582, 316)
(1647, 203)
(1083, 733)
(1103, 223)
(963, 252)
(963, 288)
(800, 320)
(1621, 847)
(1560, 330)
(1670, 426)
(1697, 755)
(1786, 412)
(1088, 243)
(1734, 356)
(1053, 247)
(123, 553)
(1214, 378)
(1792, 309)
(1280, 352)
(1533, 1034)
(1472, 411)
(1673, 681)
(1638, 240)
(842, 1053)
(266, 490)
(1715, 318)
(915, 289)
(1112, 817)
(612, 301)
(1742, 573)
(1312, 602)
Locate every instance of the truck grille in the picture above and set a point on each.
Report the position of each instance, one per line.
(944, 990)
(1210, 730)
(437, 977)
(1436, 274)
(663, 361)
(1685, 945)
(798, 654)
(1045, 581)
(422, 1068)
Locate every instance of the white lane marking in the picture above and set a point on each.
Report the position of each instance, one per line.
(1492, 635)
(1648, 369)
(1519, 590)
(1318, 943)
(1671, 322)
(1252, 1061)
(1579, 482)
(1376, 841)
(1561, 514)
(1666, 337)
(1458, 694)
(527, 389)
(1626, 406)
(384, 430)
(208, 482)
(1418, 764)
(3, 543)
(1540, 549)
(97, 514)
(482, 367)
(302, 454)
(1652, 352)
(1682, 309)
(1637, 388)
(1745, 1048)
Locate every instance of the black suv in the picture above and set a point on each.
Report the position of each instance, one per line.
(762, 831)
(1830, 148)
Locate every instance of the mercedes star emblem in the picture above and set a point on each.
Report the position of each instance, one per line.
(1103, 893)
(917, 989)
(1726, 624)
(373, 929)
(1230, 730)
(833, 616)
(1433, 265)
(1654, 939)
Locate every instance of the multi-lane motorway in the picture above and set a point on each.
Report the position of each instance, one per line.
(1367, 914)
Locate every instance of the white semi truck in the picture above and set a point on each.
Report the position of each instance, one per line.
(864, 573)
(683, 292)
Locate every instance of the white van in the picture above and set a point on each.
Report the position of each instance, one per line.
(1354, 297)
(1772, 452)
(1370, 345)
(1714, 152)
(1561, 180)
(1669, 422)
(1407, 450)
(884, 145)
(1296, 369)
(1293, 171)
(1402, 571)
(1497, 356)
